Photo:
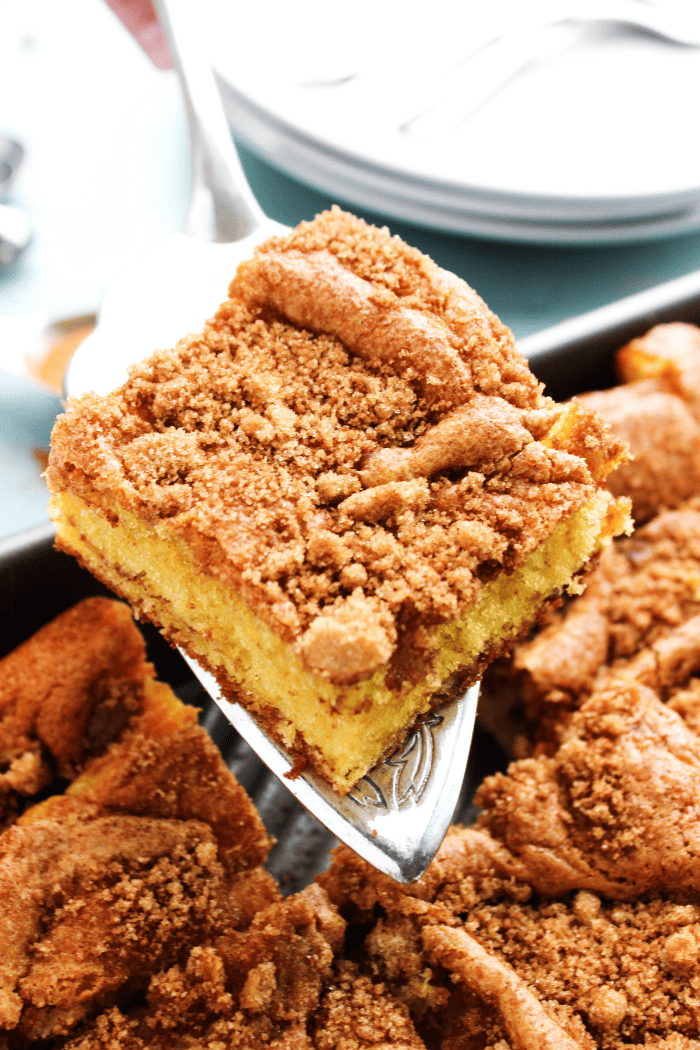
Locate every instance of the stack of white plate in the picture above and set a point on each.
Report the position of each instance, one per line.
(594, 141)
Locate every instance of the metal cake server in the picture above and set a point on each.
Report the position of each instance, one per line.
(397, 815)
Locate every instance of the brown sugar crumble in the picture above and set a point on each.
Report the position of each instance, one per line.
(384, 460)
(481, 960)
(568, 918)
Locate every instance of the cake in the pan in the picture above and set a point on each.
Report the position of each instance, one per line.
(656, 410)
(614, 809)
(134, 913)
(568, 917)
(481, 961)
(343, 497)
(663, 435)
(638, 617)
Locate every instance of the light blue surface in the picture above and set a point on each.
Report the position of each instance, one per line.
(26, 418)
(107, 175)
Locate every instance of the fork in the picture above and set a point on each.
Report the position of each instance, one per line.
(549, 30)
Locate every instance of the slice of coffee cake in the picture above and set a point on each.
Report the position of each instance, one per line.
(343, 497)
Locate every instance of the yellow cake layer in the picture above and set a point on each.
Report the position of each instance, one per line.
(348, 728)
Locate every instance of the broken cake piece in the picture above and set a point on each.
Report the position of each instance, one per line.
(656, 411)
(65, 694)
(639, 618)
(152, 851)
(614, 809)
(343, 497)
(664, 438)
(668, 354)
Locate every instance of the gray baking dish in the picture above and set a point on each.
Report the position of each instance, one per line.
(37, 582)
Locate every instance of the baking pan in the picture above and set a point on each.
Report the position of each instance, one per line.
(37, 582)
(576, 355)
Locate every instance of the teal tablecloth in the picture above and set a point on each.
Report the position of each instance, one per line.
(530, 287)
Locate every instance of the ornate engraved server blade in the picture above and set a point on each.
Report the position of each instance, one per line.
(397, 815)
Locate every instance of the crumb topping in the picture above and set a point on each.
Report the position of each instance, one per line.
(122, 883)
(389, 303)
(354, 430)
(481, 960)
(614, 810)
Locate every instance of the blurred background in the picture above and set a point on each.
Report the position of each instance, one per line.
(554, 165)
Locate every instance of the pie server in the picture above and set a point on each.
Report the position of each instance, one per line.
(397, 815)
